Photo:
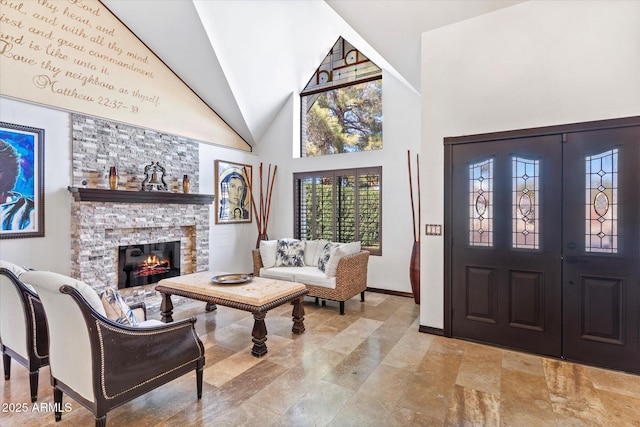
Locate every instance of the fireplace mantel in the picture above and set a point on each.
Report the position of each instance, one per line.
(81, 194)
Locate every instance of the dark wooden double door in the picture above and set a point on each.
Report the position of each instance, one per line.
(543, 242)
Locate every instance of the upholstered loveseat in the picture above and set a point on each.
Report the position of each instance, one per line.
(329, 270)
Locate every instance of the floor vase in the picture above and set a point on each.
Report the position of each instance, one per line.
(414, 271)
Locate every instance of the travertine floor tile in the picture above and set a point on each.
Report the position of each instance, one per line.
(622, 410)
(616, 382)
(354, 369)
(473, 407)
(351, 337)
(572, 392)
(525, 399)
(317, 407)
(409, 417)
(246, 415)
(385, 385)
(522, 362)
(480, 369)
(446, 346)
(422, 396)
(408, 352)
(283, 392)
(229, 368)
(371, 367)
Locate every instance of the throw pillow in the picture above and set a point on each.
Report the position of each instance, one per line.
(290, 253)
(316, 257)
(336, 253)
(117, 309)
(332, 265)
(268, 249)
(352, 248)
(310, 251)
(327, 250)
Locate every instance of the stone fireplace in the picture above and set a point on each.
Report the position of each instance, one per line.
(100, 228)
(103, 220)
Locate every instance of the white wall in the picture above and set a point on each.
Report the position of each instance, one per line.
(53, 251)
(229, 244)
(535, 64)
(401, 110)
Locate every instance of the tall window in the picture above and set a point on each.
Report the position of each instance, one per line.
(341, 206)
(342, 104)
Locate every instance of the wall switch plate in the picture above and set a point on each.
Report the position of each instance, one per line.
(433, 229)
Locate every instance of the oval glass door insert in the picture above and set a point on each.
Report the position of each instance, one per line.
(481, 204)
(601, 204)
(525, 205)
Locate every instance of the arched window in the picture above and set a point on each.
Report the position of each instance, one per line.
(341, 106)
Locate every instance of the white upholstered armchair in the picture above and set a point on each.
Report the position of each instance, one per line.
(101, 363)
(23, 326)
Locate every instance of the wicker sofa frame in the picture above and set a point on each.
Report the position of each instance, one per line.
(351, 278)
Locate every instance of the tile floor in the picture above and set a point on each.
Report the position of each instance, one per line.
(370, 367)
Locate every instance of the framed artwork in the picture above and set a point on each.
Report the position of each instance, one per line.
(233, 195)
(21, 181)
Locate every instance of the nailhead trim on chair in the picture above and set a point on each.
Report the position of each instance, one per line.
(124, 332)
(100, 325)
(34, 342)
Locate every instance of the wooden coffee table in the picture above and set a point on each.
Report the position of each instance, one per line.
(257, 297)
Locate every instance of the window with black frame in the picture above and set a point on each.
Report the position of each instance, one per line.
(341, 206)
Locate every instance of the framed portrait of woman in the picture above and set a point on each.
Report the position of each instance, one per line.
(233, 195)
(21, 181)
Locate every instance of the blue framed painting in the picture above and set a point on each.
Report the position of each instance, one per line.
(21, 181)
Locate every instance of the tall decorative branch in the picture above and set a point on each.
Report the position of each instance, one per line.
(414, 264)
(262, 217)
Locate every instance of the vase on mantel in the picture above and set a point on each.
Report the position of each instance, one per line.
(414, 272)
(113, 178)
(185, 184)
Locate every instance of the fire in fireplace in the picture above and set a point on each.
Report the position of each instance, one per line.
(147, 263)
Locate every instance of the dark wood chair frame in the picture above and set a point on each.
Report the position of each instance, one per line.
(162, 354)
(37, 336)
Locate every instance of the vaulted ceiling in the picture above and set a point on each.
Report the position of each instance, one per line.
(246, 58)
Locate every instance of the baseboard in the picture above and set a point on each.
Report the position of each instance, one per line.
(388, 292)
(425, 329)
(430, 330)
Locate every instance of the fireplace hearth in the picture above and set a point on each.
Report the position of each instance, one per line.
(144, 264)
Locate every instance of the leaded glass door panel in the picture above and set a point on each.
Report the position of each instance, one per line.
(602, 248)
(506, 261)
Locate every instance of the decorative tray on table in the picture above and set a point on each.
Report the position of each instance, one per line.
(232, 279)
